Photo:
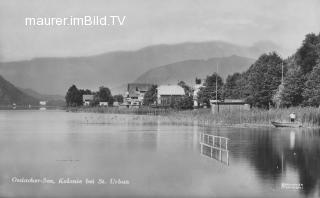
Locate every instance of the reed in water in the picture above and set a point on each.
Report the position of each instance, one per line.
(308, 116)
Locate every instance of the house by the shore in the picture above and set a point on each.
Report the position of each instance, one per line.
(135, 93)
(167, 94)
(87, 99)
(103, 104)
(229, 105)
(199, 83)
(42, 103)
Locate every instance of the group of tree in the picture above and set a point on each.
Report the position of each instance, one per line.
(118, 98)
(259, 84)
(302, 83)
(212, 89)
(74, 96)
(262, 86)
(185, 102)
(263, 79)
(187, 89)
(150, 97)
(103, 95)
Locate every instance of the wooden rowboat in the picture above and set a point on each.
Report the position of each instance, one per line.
(286, 124)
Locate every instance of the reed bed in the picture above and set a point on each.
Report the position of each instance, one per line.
(123, 110)
(308, 116)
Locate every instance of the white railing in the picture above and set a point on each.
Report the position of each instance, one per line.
(215, 147)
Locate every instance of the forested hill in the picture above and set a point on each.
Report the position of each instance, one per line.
(10, 94)
(188, 70)
(261, 85)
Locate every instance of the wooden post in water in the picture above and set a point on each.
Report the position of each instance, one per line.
(227, 152)
(227, 157)
(240, 114)
(213, 141)
(220, 149)
(226, 144)
(217, 106)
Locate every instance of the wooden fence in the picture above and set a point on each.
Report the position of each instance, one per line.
(215, 147)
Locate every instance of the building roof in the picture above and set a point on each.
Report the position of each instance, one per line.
(172, 90)
(87, 97)
(134, 89)
(228, 101)
(234, 100)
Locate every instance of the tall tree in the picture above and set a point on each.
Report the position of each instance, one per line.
(104, 95)
(312, 91)
(73, 97)
(150, 97)
(198, 81)
(85, 92)
(293, 87)
(187, 88)
(118, 98)
(232, 87)
(183, 103)
(308, 54)
(277, 98)
(208, 92)
(263, 79)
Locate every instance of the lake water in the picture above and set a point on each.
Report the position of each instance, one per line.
(150, 160)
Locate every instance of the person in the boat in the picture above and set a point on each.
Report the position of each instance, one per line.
(292, 117)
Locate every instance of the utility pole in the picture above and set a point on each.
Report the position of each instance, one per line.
(217, 87)
(282, 72)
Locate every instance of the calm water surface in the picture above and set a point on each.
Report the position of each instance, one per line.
(157, 160)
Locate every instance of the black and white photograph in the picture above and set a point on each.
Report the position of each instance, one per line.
(160, 98)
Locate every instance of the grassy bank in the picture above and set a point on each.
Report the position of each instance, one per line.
(308, 116)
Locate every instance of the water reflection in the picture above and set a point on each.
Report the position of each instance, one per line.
(292, 139)
(215, 147)
(304, 157)
(280, 156)
(158, 159)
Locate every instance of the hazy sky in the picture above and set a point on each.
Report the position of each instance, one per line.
(148, 22)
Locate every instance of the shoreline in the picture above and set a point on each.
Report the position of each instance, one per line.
(200, 117)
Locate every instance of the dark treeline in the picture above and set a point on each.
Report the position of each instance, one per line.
(74, 96)
(261, 85)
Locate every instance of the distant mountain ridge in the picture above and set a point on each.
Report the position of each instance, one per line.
(56, 75)
(9, 94)
(190, 69)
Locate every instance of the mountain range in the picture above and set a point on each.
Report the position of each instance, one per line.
(113, 69)
(188, 70)
(10, 94)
